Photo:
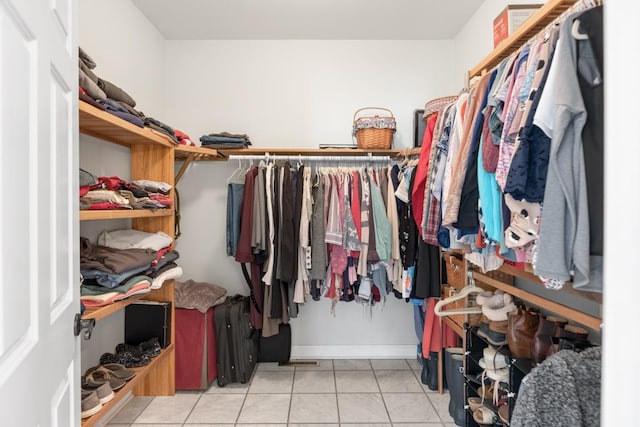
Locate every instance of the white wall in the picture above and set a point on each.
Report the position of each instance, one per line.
(129, 53)
(475, 40)
(293, 94)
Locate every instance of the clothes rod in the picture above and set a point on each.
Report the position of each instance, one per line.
(368, 158)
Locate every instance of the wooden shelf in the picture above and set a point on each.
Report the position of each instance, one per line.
(188, 152)
(151, 157)
(98, 313)
(310, 152)
(124, 214)
(529, 276)
(532, 26)
(141, 374)
(106, 126)
(577, 316)
(453, 325)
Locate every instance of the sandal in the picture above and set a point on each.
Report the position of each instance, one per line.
(484, 415)
(475, 403)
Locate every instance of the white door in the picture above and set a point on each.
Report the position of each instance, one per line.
(39, 284)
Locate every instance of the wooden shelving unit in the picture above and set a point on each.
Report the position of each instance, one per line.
(309, 152)
(537, 22)
(151, 157)
(98, 313)
(102, 125)
(142, 374)
(546, 15)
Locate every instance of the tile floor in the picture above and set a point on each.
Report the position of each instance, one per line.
(331, 394)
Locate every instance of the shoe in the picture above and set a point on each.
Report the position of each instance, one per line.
(495, 332)
(126, 358)
(474, 403)
(493, 300)
(503, 414)
(542, 344)
(151, 347)
(116, 369)
(493, 359)
(573, 345)
(521, 329)
(90, 404)
(484, 415)
(104, 392)
(572, 332)
(99, 376)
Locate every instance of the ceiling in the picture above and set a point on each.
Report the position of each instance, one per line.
(308, 19)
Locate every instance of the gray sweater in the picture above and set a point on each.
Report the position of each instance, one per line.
(563, 391)
(564, 229)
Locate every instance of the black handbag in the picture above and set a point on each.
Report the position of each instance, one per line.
(276, 348)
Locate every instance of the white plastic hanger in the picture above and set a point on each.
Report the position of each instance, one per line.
(575, 31)
(471, 288)
(237, 177)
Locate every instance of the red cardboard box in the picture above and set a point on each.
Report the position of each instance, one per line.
(513, 16)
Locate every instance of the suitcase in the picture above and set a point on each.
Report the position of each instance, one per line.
(236, 341)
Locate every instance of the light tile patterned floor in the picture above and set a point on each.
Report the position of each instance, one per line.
(334, 393)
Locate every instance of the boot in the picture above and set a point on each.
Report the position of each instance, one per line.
(432, 377)
(542, 343)
(424, 375)
(521, 330)
(455, 380)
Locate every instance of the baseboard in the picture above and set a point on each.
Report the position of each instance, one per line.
(353, 351)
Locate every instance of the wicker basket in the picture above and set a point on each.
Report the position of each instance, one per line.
(374, 132)
(455, 271)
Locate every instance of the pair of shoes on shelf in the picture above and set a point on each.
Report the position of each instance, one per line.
(112, 372)
(150, 348)
(130, 359)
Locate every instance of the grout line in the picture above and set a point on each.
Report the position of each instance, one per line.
(293, 381)
(193, 407)
(335, 384)
(381, 395)
(246, 393)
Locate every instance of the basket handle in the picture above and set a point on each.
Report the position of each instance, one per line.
(371, 108)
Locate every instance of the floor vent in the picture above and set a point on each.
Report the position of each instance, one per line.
(299, 363)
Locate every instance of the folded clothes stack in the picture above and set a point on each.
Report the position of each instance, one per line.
(107, 96)
(225, 140)
(103, 94)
